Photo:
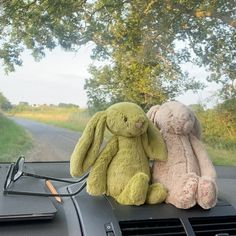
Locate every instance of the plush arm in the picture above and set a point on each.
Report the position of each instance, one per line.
(154, 144)
(97, 180)
(206, 166)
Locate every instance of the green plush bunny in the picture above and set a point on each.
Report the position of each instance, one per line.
(121, 169)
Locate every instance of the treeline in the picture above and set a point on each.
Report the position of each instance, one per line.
(6, 106)
(218, 124)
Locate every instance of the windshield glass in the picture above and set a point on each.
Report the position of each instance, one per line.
(63, 61)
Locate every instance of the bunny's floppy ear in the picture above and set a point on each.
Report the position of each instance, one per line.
(87, 149)
(154, 144)
(152, 112)
(196, 131)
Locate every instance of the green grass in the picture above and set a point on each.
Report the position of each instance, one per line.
(14, 141)
(222, 156)
(69, 118)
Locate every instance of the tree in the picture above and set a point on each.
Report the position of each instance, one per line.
(38, 25)
(67, 105)
(4, 103)
(227, 111)
(218, 123)
(137, 38)
(23, 104)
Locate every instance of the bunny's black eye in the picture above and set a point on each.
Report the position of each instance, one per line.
(125, 119)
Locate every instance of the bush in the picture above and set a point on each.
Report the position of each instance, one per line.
(5, 105)
(218, 126)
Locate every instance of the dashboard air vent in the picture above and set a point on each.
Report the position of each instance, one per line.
(162, 227)
(224, 225)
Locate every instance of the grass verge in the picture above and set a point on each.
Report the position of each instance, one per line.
(13, 140)
(222, 157)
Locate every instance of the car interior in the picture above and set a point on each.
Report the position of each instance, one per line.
(110, 110)
(83, 214)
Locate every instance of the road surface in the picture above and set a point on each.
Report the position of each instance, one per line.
(50, 143)
(56, 144)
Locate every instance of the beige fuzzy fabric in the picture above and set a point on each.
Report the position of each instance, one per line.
(188, 174)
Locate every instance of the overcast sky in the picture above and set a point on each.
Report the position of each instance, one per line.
(60, 77)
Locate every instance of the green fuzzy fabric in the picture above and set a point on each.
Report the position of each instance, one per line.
(121, 169)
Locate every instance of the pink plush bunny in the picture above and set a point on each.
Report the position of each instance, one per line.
(188, 173)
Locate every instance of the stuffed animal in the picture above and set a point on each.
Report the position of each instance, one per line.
(121, 169)
(188, 173)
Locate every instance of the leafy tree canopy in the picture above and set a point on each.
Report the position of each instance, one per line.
(137, 38)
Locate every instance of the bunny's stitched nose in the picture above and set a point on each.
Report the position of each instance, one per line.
(139, 124)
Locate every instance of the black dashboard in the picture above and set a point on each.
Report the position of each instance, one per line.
(94, 216)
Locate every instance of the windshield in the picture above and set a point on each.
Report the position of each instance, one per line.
(63, 61)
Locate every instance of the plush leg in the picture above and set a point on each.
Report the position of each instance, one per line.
(156, 193)
(135, 191)
(183, 195)
(207, 193)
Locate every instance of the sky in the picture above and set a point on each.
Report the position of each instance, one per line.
(60, 78)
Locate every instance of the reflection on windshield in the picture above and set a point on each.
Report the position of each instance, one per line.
(92, 54)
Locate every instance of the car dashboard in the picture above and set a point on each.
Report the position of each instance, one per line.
(86, 215)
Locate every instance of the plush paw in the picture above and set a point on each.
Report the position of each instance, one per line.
(157, 193)
(207, 193)
(184, 194)
(135, 191)
(187, 196)
(94, 187)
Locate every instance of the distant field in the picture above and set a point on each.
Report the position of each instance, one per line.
(70, 118)
(76, 119)
(14, 141)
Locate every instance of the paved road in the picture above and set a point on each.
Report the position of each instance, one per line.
(50, 143)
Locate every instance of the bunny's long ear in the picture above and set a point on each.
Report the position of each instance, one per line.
(87, 149)
(196, 131)
(205, 164)
(154, 144)
(152, 112)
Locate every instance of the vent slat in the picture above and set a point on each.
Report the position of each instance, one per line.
(224, 224)
(165, 234)
(233, 227)
(150, 222)
(216, 231)
(159, 234)
(152, 230)
(215, 219)
(214, 225)
(151, 227)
